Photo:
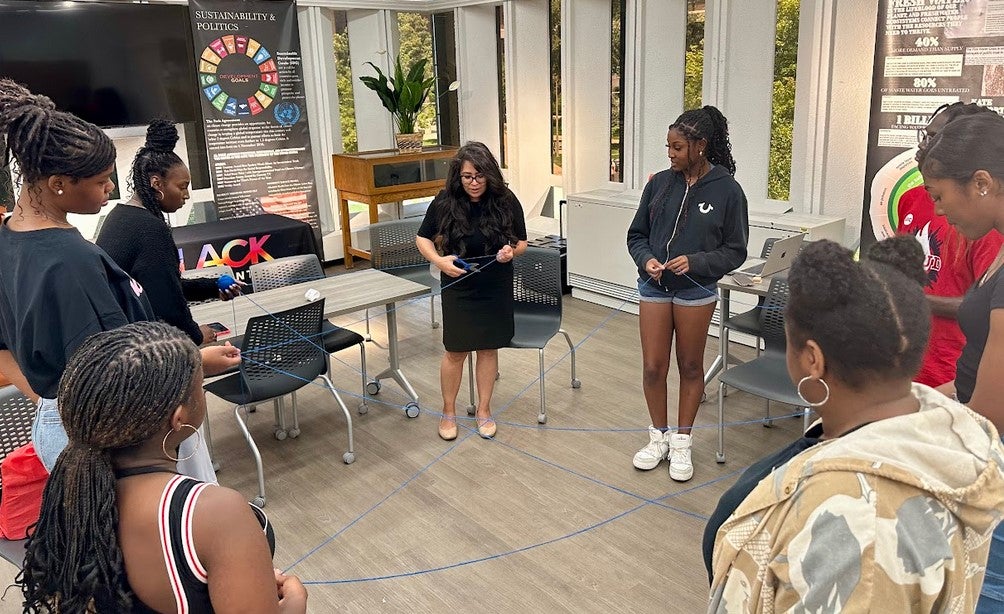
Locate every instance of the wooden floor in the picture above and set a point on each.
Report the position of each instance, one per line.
(541, 519)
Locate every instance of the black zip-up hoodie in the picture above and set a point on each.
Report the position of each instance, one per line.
(713, 227)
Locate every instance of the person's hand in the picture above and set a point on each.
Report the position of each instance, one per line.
(654, 268)
(208, 334)
(505, 254)
(219, 358)
(445, 264)
(292, 593)
(679, 265)
(235, 290)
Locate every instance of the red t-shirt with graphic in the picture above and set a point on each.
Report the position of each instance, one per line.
(953, 264)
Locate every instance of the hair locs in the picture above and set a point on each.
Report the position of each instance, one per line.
(119, 390)
(965, 145)
(708, 124)
(46, 142)
(496, 217)
(155, 158)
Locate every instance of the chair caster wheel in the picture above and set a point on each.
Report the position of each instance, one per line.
(373, 388)
(412, 410)
(252, 409)
(363, 408)
(470, 410)
(348, 458)
(541, 418)
(768, 424)
(719, 457)
(576, 384)
(435, 324)
(294, 433)
(258, 501)
(280, 434)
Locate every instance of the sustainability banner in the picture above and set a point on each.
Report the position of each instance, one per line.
(927, 53)
(253, 105)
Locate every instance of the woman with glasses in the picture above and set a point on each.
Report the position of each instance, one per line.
(471, 232)
(953, 262)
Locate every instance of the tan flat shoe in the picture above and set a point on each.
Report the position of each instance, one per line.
(449, 433)
(486, 427)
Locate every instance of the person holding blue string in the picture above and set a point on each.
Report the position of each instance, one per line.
(471, 232)
(137, 237)
(691, 228)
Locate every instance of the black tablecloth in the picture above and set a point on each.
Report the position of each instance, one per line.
(241, 242)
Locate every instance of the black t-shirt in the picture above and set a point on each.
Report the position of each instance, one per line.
(974, 320)
(753, 475)
(141, 243)
(57, 289)
(475, 244)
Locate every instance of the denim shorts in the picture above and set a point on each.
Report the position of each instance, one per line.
(992, 595)
(47, 433)
(649, 291)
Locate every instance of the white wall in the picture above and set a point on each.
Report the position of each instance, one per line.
(477, 72)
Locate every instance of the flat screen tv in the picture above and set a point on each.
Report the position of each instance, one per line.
(113, 64)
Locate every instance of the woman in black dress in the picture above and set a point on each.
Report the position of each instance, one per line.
(475, 220)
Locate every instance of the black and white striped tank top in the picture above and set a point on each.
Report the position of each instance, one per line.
(189, 581)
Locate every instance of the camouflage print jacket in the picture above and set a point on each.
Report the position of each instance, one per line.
(893, 517)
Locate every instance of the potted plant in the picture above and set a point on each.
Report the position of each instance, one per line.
(403, 97)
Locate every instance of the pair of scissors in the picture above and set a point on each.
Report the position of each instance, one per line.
(470, 267)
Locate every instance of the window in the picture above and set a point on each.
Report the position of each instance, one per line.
(783, 100)
(432, 38)
(500, 51)
(554, 31)
(618, 9)
(444, 41)
(415, 39)
(343, 79)
(693, 77)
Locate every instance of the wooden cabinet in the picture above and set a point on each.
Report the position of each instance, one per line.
(386, 176)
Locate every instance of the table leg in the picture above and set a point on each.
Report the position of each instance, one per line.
(720, 361)
(343, 214)
(394, 370)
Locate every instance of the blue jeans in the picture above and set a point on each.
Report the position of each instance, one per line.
(992, 596)
(47, 433)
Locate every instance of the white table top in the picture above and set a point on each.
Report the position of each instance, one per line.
(342, 293)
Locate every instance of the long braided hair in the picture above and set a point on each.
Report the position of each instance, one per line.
(45, 142)
(708, 123)
(155, 157)
(496, 211)
(119, 390)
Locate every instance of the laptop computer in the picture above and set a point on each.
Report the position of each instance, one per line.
(782, 254)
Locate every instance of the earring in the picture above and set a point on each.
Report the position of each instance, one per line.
(983, 192)
(806, 401)
(700, 153)
(163, 445)
(59, 192)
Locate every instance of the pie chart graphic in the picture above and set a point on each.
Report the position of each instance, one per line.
(238, 75)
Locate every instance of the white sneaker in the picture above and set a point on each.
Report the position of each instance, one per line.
(680, 467)
(654, 453)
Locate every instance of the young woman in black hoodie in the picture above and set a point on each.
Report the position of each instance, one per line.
(691, 229)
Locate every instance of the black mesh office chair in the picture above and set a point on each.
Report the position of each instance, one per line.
(536, 312)
(290, 270)
(749, 321)
(767, 375)
(279, 355)
(17, 412)
(393, 250)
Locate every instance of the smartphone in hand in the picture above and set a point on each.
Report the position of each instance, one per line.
(220, 329)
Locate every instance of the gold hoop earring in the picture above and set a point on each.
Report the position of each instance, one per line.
(163, 445)
(798, 389)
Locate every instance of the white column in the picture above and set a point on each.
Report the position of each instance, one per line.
(316, 33)
(527, 97)
(836, 43)
(657, 71)
(738, 79)
(477, 72)
(370, 41)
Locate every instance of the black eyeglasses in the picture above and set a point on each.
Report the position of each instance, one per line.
(479, 178)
